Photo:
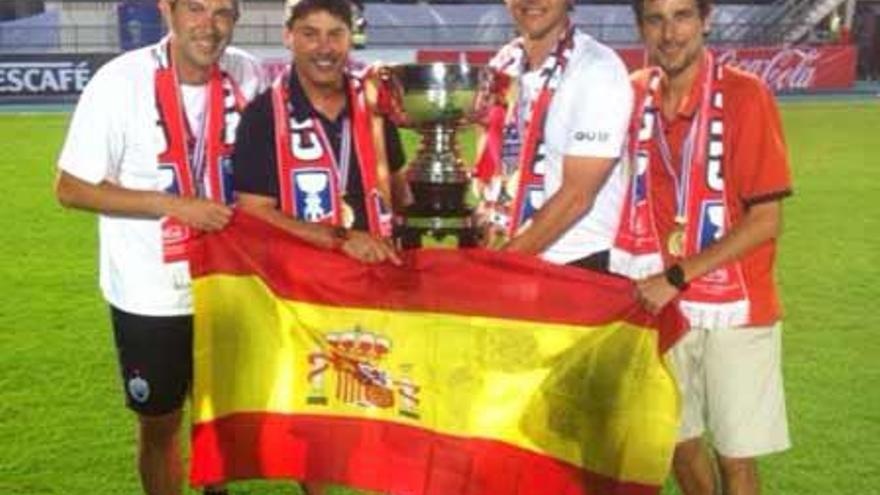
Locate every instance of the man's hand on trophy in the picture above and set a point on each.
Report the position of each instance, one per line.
(372, 85)
(493, 235)
(368, 249)
(387, 95)
(492, 96)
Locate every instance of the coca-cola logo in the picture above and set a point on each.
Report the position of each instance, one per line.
(783, 69)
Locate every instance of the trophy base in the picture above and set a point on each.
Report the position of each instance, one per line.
(436, 232)
(443, 200)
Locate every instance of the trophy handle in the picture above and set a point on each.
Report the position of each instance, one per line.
(389, 100)
(493, 92)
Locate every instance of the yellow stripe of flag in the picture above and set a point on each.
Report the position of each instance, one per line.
(576, 393)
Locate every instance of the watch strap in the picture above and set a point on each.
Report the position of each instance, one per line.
(675, 276)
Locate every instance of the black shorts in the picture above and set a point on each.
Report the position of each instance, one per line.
(597, 262)
(155, 358)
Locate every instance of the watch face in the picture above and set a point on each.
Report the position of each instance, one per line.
(675, 277)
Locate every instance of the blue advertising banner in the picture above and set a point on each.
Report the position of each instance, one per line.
(140, 23)
(48, 78)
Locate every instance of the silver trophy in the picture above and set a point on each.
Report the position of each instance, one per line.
(436, 100)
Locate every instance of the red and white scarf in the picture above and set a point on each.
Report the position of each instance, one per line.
(199, 161)
(309, 181)
(718, 299)
(509, 198)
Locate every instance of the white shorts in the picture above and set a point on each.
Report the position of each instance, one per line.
(731, 385)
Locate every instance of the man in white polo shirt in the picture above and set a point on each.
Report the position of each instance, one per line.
(149, 149)
(550, 180)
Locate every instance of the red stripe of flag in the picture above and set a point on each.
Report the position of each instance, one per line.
(462, 281)
(383, 456)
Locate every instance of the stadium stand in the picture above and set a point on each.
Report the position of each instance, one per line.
(85, 26)
(796, 44)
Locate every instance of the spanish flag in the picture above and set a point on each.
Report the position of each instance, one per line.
(462, 372)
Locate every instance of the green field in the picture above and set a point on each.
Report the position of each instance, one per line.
(63, 428)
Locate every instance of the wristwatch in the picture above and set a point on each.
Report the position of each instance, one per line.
(339, 234)
(675, 276)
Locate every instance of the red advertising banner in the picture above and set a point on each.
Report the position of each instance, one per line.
(783, 68)
(797, 68)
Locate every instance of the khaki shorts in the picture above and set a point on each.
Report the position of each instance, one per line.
(731, 385)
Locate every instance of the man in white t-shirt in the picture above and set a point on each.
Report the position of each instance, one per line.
(551, 182)
(149, 149)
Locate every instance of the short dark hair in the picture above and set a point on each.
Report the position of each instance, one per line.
(340, 9)
(235, 7)
(638, 6)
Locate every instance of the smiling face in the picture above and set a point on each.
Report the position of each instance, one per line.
(201, 31)
(320, 43)
(539, 20)
(673, 33)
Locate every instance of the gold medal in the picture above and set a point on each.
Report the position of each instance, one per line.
(675, 242)
(347, 215)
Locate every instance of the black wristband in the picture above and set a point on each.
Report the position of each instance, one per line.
(675, 276)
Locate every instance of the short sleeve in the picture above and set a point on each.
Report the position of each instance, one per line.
(759, 160)
(246, 70)
(599, 99)
(95, 140)
(254, 165)
(253, 79)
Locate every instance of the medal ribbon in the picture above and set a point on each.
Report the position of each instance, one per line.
(343, 161)
(717, 299)
(197, 151)
(355, 130)
(195, 164)
(681, 177)
(512, 59)
(693, 156)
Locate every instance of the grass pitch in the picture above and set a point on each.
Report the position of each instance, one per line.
(63, 428)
